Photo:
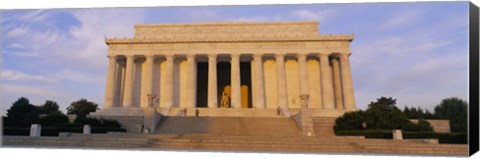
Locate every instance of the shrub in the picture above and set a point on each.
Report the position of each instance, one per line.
(380, 115)
(22, 113)
(94, 122)
(385, 134)
(455, 110)
(82, 107)
(54, 119)
(83, 120)
(447, 138)
(110, 123)
(350, 121)
(53, 131)
(422, 125)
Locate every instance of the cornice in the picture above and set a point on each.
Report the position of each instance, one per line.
(231, 38)
(227, 24)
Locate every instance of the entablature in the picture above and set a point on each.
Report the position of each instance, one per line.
(232, 38)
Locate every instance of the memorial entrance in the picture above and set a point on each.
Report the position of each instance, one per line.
(243, 65)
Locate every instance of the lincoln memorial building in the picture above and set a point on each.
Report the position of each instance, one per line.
(223, 68)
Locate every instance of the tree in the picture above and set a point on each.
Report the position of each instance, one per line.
(54, 118)
(82, 107)
(383, 104)
(422, 125)
(417, 113)
(49, 107)
(455, 110)
(350, 121)
(22, 113)
(383, 114)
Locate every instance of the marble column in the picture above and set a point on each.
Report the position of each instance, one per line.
(119, 81)
(337, 80)
(348, 94)
(212, 81)
(168, 100)
(235, 82)
(302, 67)
(327, 83)
(281, 81)
(128, 90)
(259, 88)
(110, 89)
(191, 81)
(148, 78)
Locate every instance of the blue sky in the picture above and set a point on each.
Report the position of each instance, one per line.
(414, 52)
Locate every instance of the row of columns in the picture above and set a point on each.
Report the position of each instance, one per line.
(334, 92)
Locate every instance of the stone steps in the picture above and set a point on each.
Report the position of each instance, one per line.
(225, 112)
(324, 126)
(241, 143)
(134, 111)
(250, 126)
(316, 145)
(80, 141)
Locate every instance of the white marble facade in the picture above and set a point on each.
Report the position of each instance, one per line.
(287, 59)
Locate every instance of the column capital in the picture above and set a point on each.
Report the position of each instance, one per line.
(235, 55)
(169, 56)
(301, 55)
(190, 56)
(212, 55)
(258, 55)
(130, 56)
(110, 56)
(149, 55)
(323, 54)
(343, 55)
(280, 55)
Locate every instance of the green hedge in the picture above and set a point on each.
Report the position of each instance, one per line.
(386, 134)
(53, 131)
(447, 138)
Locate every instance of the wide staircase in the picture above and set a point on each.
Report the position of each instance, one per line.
(107, 141)
(299, 144)
(251, 134)
(206, 142)
(323, 127)
(236, 126)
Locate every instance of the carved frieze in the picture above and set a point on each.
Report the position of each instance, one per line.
(230, 35)
(228, 27)
(140, 46)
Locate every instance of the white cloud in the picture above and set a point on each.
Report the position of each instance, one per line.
(35, 93)
(402, 19)
(321, 15)
(79, 45)
(419, 67)
(17, 45)
(306, 15)
(34, 15)
(22, 54)
(70, 75)
(30, 90)
(18, 31)
(201, 14)
(250, 19)
(51, 77)
(11, 75)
